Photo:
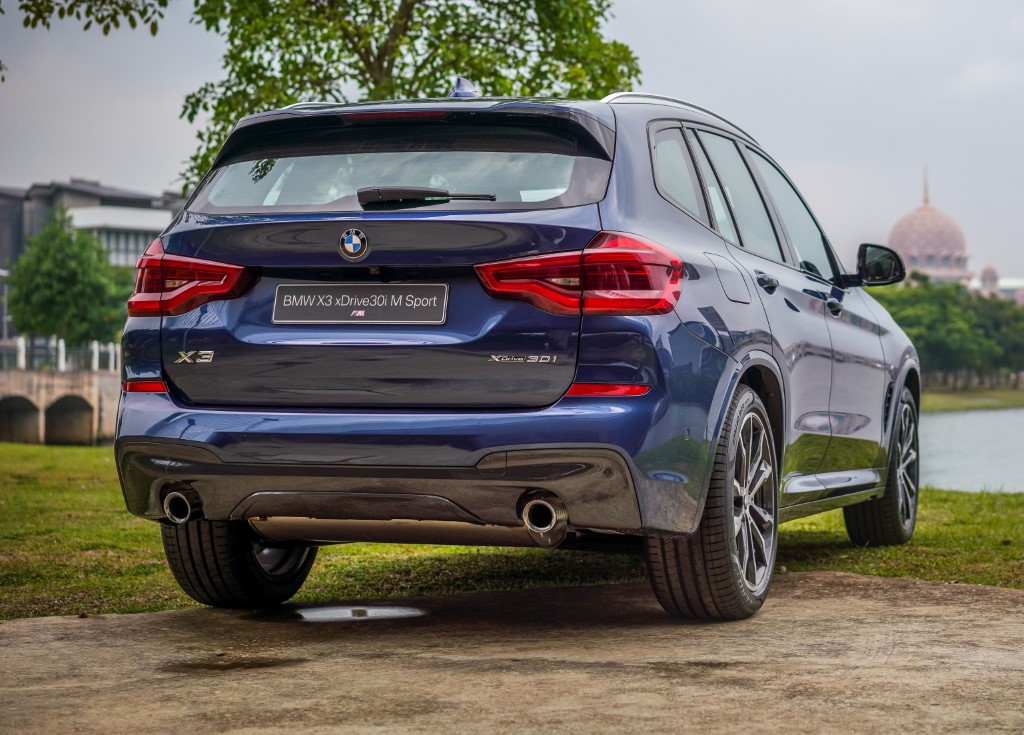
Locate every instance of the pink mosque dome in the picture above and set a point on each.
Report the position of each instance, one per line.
(931, 241)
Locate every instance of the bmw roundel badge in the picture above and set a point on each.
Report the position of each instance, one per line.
(353, 245)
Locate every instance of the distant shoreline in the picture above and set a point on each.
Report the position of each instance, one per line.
(972, 399)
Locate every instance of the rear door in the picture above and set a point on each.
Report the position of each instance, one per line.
(794, 303)
(382, 307)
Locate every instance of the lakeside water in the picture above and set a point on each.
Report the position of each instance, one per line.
(973, 450)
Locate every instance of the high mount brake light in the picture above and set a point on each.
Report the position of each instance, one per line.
(171, 284)
(617, 275)
(396, 115)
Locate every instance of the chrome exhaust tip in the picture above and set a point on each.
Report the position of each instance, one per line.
(545, 519)
(177, 507)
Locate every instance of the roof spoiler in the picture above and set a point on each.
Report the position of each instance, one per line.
(254, 130)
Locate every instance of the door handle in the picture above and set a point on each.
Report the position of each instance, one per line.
(834, 305)
(767, 282)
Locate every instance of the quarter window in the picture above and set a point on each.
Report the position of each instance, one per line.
(674, 174)
(756, 232)
(716, 198)
(805, 236)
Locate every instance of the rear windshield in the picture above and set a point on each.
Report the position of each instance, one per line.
(524, 168)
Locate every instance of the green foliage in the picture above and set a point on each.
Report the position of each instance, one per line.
(283, 51)
(105, 14)
(63, 284)
(957, 331)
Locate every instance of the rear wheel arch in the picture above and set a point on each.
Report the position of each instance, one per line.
(759, 372)
(764, 381)
(913, 382)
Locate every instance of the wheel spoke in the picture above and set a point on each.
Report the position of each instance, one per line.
(760, 546)
(906, 506)
(763, 473)
(754, 459)
(745, 558)
(762, 519)
(901, 493)
(741, 463)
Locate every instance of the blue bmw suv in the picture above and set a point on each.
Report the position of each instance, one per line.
(529, 322)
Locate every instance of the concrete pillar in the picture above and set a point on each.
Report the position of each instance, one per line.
(62, 357)
(22, 353)
(112, 362)
(94, 348)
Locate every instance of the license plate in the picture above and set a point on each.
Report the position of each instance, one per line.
(361, 303)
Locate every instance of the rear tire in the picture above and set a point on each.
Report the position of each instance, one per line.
(724, 569)
(226, 564)
(890, 519)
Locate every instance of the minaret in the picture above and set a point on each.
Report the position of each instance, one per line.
(926, 202)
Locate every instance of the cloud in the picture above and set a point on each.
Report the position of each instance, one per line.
(981, 78)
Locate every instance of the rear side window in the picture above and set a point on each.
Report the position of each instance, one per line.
(755, 226)
(716, 198)
(805, 236)
(524, 168)
(674, 174)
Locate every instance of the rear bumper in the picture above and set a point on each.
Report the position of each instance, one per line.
(610, 462)
(595, 485)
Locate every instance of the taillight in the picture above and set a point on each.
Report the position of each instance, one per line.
(617, 275)
(172, 284)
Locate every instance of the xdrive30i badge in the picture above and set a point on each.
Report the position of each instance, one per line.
(353, 245)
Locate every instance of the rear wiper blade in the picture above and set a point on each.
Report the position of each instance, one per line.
(371, 195)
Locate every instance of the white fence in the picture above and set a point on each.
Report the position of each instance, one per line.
(53, 355)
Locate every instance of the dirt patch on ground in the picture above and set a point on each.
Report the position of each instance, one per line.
(829, 653)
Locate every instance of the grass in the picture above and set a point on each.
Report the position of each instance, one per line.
(68, 546)
(935, 400)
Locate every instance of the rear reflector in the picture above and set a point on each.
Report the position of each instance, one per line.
(617, 275)
(171, 284)
(144, 386)
(607, 389)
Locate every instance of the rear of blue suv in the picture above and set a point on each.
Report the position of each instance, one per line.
(430, 322)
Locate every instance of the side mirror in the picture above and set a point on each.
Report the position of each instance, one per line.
(878, 265)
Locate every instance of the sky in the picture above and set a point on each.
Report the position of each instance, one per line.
(853, 97)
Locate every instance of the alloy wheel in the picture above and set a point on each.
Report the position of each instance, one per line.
(907, 467)
(754, 501)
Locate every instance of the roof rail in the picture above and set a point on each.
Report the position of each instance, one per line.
(616, 96)
(298, 105)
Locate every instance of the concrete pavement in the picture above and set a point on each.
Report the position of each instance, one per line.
(828, 653)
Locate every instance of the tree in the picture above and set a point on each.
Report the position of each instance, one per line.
(104, 14)
(63, 284)
(1002, 321)
(942, 321)
(284, 51)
